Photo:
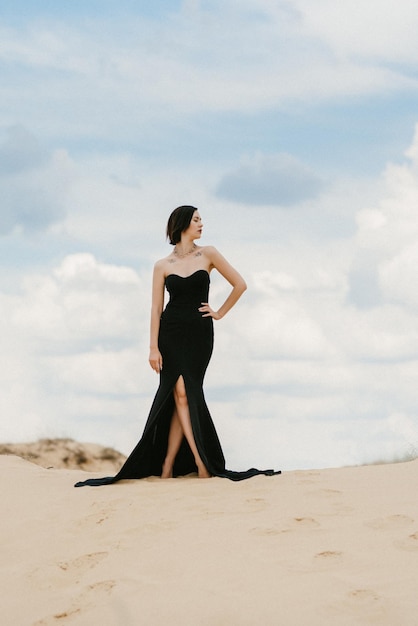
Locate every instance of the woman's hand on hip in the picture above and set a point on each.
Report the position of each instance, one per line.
(156, 360)
(208, 311)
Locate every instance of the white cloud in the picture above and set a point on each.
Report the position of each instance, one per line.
(82, 303)
(74, 353)
(399, 275)
(380, 333)
(387, 238)
(280, 327)
(379, 30)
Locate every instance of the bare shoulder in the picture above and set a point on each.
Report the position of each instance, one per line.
(217, 260)
(163, 266)
(221, 264)
(210, 252)
(160, 266)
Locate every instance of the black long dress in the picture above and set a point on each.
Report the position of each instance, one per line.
(185, 341)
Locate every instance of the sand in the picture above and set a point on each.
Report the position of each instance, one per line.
(335, 547)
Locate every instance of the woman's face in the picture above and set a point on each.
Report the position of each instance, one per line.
(194, 230)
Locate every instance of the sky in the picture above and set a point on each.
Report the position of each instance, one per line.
(293, 126)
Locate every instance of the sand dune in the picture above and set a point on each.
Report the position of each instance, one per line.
(67, 454)
(337, 547)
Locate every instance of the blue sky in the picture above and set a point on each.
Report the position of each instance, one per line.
(292, 126)
(327, 129)
(72, 11)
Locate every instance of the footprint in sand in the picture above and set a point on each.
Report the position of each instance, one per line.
(54, 575)
(93, 519)
(100, 513)
(364, 595)
(90, 597)
(390, 522)
(410, 544)
(83, 563)
(365, 606)
(327, 559)
(329, 555)
(304, 522)
(256, 504)
(102, 586)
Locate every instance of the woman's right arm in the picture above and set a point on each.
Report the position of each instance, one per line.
(155, 358)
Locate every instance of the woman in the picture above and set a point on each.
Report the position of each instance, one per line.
(179, 437)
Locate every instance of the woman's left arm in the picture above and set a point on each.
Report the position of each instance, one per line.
(218, 262)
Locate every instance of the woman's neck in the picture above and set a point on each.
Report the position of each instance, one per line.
(185, 244)
(184, 248)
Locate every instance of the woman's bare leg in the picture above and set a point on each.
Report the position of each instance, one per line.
(182, 407)
(175, 437)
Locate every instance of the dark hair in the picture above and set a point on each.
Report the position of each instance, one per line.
(178, 222)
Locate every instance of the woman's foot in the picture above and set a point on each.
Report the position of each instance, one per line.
(167, 470)
(202, 472)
